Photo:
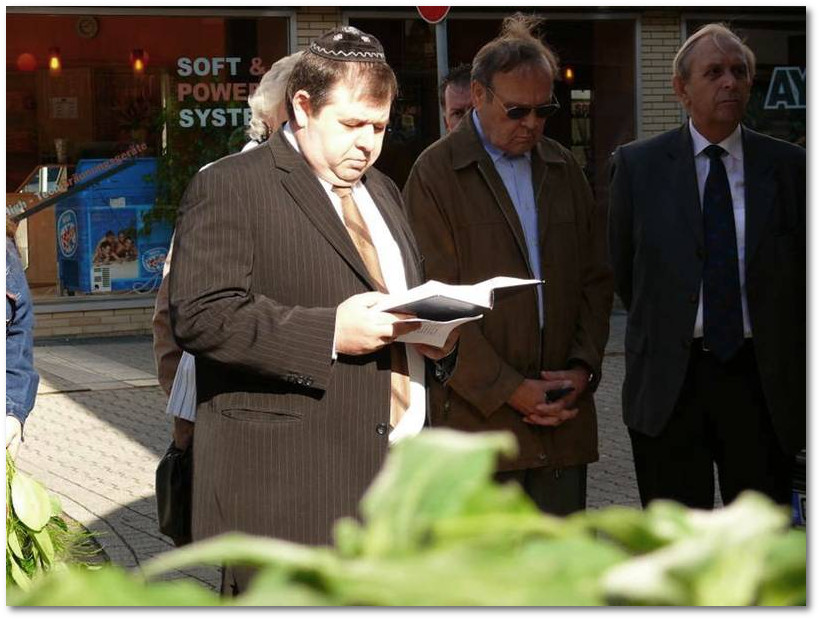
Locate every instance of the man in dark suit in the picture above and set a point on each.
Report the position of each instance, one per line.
(281, 253)
(707, 239)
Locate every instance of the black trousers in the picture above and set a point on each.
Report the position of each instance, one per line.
(555, 491)
(720, 419)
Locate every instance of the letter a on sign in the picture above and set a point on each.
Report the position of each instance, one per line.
(433, 14)
(787, 89)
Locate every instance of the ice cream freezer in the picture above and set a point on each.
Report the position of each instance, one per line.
(103, 243)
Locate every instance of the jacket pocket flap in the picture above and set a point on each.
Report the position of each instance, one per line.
(262, 415)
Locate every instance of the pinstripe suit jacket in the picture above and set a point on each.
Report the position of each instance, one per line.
(286, 439)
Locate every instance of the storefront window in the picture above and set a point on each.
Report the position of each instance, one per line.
(410, 49)
(777, 105)
(147, 99)
(596, 89)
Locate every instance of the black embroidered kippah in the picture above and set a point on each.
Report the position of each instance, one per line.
(348, 43)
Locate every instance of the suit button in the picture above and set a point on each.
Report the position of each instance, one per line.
(382, 428)
(693, 298)
(686, 343)
(542, 456)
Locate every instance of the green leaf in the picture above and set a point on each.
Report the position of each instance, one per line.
(651, 579)
(235, 548)
(439, 532)
(56, 506)
(537, 572)
(732, 576)
(110, 587)
(749, 516)
(14, 543)
(638, 531)
(18, 575)
(274, 586)
(348, 535)
(43, 540)
(431, 477)
(784, 578)
(717, 557)
(30, 501)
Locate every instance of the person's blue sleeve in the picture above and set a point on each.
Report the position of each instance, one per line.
(21, 377)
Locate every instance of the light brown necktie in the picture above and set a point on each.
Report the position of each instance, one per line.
(360, 234)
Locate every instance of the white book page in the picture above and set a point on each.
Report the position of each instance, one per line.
(433, 333)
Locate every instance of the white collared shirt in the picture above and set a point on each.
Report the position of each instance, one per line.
(395, 279)
(733, 162)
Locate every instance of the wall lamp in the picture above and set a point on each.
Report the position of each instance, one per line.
(139, 58)
(55, 64)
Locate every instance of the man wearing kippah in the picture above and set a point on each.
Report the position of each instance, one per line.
(281, 254)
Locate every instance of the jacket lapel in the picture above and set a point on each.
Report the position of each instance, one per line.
(542, 158)
(306, 191)
(684, 181)
(758, 175)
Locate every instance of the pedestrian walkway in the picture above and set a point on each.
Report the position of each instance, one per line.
(94, 438)
(99, 428)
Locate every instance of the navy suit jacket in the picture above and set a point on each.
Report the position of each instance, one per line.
(657, 250)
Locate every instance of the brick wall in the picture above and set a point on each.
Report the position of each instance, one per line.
(660, 40)
(313, 21)
(88, 323)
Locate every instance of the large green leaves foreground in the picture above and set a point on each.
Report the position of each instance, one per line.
(437, 531)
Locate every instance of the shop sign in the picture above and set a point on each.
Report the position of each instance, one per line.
(210, 91)
(787, 89)
(433, 14)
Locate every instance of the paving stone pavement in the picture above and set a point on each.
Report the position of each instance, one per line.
(99, 428)
(94, 438)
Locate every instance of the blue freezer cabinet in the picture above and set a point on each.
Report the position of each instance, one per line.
(134, 184)
(101, 249)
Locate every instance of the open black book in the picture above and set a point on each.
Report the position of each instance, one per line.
(441, 307)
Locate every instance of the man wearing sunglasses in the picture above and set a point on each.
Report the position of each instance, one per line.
(495, 197)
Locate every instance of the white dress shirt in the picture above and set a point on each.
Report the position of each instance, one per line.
(392, 266)
(733, 162)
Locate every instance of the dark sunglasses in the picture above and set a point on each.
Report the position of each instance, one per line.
(517, 112)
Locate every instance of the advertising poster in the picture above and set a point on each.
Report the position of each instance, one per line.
(114, 242)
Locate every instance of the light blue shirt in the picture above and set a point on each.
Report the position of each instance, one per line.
(516, 173)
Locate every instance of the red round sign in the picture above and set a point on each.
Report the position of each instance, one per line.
(433, 14)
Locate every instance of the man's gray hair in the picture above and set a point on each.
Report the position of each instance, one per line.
(514, 47)
(269, 96)
(723, 37)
